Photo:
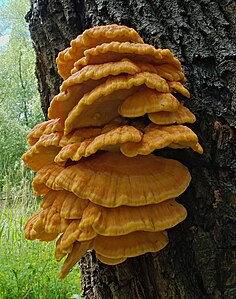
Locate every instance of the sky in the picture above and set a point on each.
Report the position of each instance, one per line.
(4, 39)
(3, 1)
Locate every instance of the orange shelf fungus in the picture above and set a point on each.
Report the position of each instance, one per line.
(116, 51)
(147, 100)
(165, 70)
(78, 250)
(84, 81)
(137, 181)
(70, 206)
(31, 233)
(124, 219)
(157, 137)
(178, 87)
(100, 106)
(43, 152)
(130, 245)
(45, 128)
(180, 116)
(91, 38)
(103, 189)
(108, 141)
(108, 261)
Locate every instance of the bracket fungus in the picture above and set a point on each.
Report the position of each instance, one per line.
(102, 186)
(146, 100)
(110, 140)
(157, 137)
(91, 38)
(116, 51)
(85, 80)
(180, 116)
(100, 106)
(137, 181)
(44, 128)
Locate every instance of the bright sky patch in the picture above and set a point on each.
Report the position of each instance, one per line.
(4, 39)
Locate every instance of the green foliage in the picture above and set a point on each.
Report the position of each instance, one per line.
(28, 268)
(19, 98)
(12, 141)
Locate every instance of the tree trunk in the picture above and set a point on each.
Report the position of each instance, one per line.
(199, 261)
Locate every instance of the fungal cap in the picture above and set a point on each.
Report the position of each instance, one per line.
(91, 38)
(39, 156)
(100, 106)
(182, 115)
(53, 223)
(178, 87)
(165, 70)
(96, 72)
(109, 141)
(108, 261)
(67, 204)
(78, 251)
(115, 51)
(44, 179)
(73, 207)
(147, 100)
(83, 81)
(44, 128)
(124, 219)
(138, 181)
(130, 245)
(157, 137)
(79, 135)
(34, 229)
(43, 151)
(74, 233)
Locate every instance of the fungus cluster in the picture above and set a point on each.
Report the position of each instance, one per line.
(102, 187)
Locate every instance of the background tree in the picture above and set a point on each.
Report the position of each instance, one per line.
(200, 260)
(19, 98)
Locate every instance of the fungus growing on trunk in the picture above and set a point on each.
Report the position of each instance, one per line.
(180, 116)
(134, 182)
(108, 141)
(126, 219)
(146, 100)
(157, 137)
(44, 128)
(100, 105)
(85, 80)
(115, 51)
(91, 38)
(102, 187)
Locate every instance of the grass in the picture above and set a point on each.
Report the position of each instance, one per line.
(28, 269)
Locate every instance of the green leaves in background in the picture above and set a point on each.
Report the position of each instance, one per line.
(19, 98)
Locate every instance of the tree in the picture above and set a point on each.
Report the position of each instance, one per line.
(19, 99)
(17, 63)
(199, 262)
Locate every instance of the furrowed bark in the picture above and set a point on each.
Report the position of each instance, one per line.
(200, 260)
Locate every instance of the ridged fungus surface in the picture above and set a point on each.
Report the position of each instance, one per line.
(134, 182)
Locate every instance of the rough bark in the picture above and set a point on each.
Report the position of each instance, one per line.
(200, 260)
